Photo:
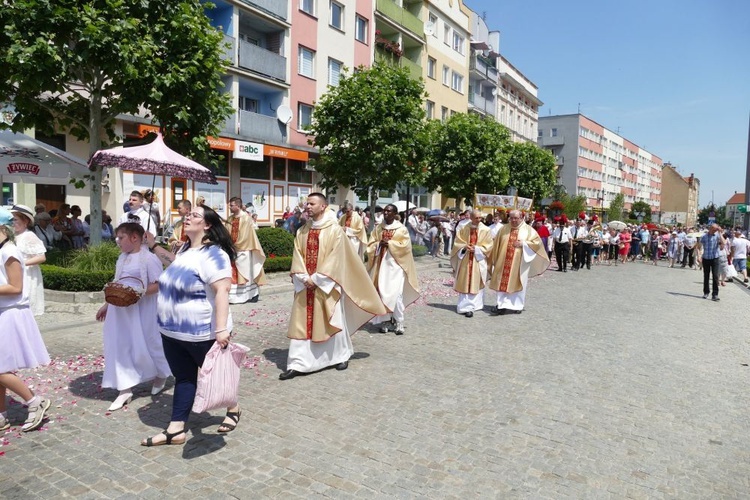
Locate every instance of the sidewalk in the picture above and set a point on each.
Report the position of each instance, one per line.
(617, 382)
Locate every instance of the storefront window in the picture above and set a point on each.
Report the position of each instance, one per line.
(297, 172)
(221, 160)
(254, 169)
(279, 169)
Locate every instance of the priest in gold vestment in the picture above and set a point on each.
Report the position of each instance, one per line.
(247, 269)
(333, 296)
(354, 227)
(518, 252)
(469, 262)
(391, 267)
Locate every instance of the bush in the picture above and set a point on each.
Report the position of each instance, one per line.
(276, 241)
(73, 280)
(277, 264)
(59, 257)
(102, 257)
(418, 250)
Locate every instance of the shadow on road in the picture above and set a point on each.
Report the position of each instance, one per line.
(686, 295)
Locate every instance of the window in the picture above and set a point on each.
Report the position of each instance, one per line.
(431, 67)
(254, 170)
(306, 63)
(457, 82)
(334, 71)
(298, 172)
(337, 16)
(553, 132)
(443, 113)
(304, 116)
(430, 109)
(446, 75)
(360, 29)
(279, 169)
(434, 20)
(458, 43)
(541, 133)
(307, 6)
(247, 104)
(447, 34)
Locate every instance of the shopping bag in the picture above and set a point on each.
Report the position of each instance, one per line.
(219, 378)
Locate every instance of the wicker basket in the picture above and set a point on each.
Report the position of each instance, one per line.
(121, 295)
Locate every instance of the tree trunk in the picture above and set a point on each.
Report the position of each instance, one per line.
(95, 208)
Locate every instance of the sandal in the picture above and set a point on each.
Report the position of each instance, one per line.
(36, 414)
(233, 416)
(4, 424)
(169, 438)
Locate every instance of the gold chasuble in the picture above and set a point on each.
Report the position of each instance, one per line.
(354, 226)
(399, 246)
(507, 260)
(325, 250)
(248, 267)
(178, 236)
(470, 275)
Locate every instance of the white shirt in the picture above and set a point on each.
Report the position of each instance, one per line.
(739, 248)
(562, 235)
(142, 217)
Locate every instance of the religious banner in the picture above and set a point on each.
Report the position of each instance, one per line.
(502, 202)
(524, 204)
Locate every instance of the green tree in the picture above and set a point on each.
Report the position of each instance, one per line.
(642, 207)
(532, 170)
(616, 207)
(720, 214)
(76, 66)
(574, 205)
(468, 155)
(370, 130)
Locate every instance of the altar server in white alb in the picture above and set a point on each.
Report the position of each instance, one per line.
(247, 269)
(354, 227)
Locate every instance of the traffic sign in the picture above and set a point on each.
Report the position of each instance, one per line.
(742, 208)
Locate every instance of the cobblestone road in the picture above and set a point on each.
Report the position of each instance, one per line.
(619, 382)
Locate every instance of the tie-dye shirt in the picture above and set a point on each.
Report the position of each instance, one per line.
(186, 305)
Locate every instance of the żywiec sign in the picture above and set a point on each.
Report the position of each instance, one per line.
(23, 168)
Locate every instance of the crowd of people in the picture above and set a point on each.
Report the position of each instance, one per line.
(344, 275)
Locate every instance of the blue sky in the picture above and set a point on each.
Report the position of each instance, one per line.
(674, 76)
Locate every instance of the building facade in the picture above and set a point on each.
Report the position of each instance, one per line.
(597, 163)
(679, 197)
(733, 212)
(518, 106)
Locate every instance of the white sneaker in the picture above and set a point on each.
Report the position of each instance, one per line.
(399, 329)
(158, 385)
(122, 400)
(36, 414)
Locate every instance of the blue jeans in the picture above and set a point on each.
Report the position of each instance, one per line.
(184, 358)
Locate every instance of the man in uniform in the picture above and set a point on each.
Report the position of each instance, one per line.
(354, 228)
(469, 259)
(517, 254)
(247, 269)
(391, 267)
(333, 295)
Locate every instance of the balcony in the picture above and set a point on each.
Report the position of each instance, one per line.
(231, 50)
(388, 58)
(400, 16)
(273, 7)
(230, 125)
(482, 105)
(552, 141)
(262, 61)
(483, 68)
(261, 127)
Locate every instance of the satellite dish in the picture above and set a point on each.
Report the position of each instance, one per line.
(429, 28)
(284, 114)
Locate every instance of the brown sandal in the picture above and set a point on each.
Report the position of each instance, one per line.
(231, 415)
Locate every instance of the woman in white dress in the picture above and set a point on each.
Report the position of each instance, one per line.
(33, 251)
(133, 351)
(22, 344)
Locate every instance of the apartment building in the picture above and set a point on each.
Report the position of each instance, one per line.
(483, 72)
(733, 212)
(597, 163)
(518, 102)
(679, 197)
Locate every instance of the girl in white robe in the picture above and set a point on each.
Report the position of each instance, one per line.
(133, 351)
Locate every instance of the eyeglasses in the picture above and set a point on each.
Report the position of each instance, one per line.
(194, 215)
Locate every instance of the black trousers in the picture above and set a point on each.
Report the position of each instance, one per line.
(575, 255)
(688, 257)
(562, 254)
(583, 255)
(711, 267)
